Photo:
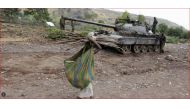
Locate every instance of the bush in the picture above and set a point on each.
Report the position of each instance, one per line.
(40, 14)
(162, 28)
(10, 14)
(90, 15)
(54, 33)
(178, 35)
(84, 33)
(183, 40)
(88, 28)
(101, 21)
(29, 19)
(141, 18)
(175, 40)
(177, 32)
(185, 35)
(125, 15)
(172, 39)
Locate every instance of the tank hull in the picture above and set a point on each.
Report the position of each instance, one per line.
(139, 40)
(131, 43)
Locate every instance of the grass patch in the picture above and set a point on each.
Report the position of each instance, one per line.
(175, 40)
(55, 34)
(183, 40)
(84, 33)
(88, 28)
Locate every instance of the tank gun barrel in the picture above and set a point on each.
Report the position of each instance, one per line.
(89, 22)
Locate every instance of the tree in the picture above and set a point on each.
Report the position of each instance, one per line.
(185, 35)
(125, 15)
(176, 32)
(162, 28)
(10, 13)
(141, 18)
(170, 31)
(40, 14)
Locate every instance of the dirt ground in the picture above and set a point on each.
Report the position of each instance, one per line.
(32, 69)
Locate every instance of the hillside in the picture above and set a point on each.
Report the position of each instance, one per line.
(108, 16)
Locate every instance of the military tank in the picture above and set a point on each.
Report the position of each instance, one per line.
(128, 36)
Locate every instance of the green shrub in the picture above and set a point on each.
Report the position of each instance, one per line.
(40, 14)
(171, 39)
(183, 40)
(90, 15)
(125, 15)
(29, 19)
(88, 28)
(176, 32)
(84, 33)
(141, 18)
(101, 21)
(10, 14)
(162, 28)
(175, 40)
(54, 33)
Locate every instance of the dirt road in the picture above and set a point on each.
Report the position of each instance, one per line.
(34, 70)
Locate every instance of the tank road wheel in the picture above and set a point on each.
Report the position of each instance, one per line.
(126, 49)
(136, 49)
(150, 48)
(156, 48)
(144, 48)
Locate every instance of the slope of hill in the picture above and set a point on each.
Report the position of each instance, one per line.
(114, 14)
(108, 16)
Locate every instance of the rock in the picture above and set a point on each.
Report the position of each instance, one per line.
(35, 85)
(170, 58)
(3, 94)
(125, 73)
(22, 95)
(2, 72)
(158, 85)
(117, 75)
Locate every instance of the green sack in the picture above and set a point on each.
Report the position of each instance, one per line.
(80, 67)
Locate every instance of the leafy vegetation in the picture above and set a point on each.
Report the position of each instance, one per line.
(54, 33)
(90, 15)
(25, 16)
(175, 40)
(101, 21)
(10, 14)
(84, 33)
(170, 39)
(176, 32)
(40, 14)
(141, 18)
(88, 28)
(125, 15)
(174, 35)
(162, 28)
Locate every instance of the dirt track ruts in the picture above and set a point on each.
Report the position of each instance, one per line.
(33, 70)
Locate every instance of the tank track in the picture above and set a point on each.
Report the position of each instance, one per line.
(140, 48)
